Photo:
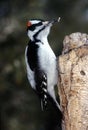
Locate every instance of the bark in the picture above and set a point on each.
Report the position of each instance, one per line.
(73, 82)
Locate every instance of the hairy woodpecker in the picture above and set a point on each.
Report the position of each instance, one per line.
(41, 61)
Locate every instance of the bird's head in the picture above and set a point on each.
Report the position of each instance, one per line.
(37, 29)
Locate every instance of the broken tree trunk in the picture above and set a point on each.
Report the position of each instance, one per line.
(73, 81)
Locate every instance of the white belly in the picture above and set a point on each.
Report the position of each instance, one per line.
(48, 64)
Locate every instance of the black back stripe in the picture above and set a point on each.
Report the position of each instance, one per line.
(32, 57)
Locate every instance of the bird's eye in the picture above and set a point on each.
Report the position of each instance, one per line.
(39, 24)
(33, 26)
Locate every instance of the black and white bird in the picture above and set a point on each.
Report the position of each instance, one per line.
(41, 61)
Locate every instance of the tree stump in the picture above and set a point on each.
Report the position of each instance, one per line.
(73, 81)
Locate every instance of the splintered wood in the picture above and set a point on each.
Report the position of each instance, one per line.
(73, 81)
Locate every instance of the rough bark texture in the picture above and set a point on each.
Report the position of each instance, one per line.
(73, 81)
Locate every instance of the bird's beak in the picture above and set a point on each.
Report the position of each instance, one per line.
(55, 21)
(47, 23)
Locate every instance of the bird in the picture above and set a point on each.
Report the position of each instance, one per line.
(41, 62)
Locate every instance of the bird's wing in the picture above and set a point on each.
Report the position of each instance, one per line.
(41, 86)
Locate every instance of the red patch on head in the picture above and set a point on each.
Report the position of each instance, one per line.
(29, 24)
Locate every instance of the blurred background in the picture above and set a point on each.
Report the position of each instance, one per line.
(19, 106)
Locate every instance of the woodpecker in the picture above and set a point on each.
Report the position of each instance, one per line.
(41, 61)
